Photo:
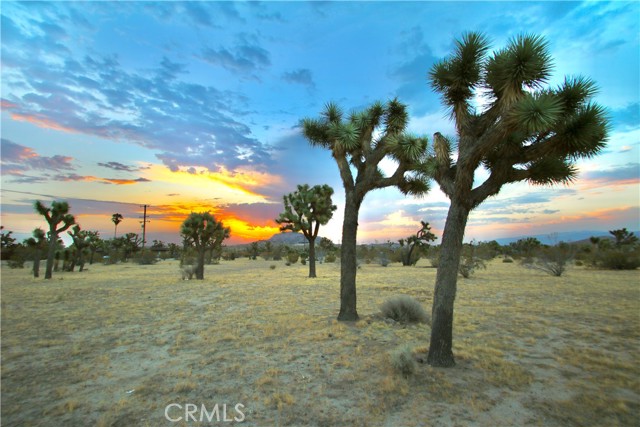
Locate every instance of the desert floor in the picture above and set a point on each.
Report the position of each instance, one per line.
(114, 345)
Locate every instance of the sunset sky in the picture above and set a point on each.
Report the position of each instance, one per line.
(194, 106)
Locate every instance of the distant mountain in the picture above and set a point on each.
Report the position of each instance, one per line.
(567, 236)
(288, 238)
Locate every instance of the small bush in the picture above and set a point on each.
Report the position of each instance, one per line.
(618, 260)
(293, 257)
(404, 309)
(146, 258)
(507, 260)
(403, 362)
(330, 258)
(272, 266)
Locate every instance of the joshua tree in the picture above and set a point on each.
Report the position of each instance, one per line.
(116, 218)
(526, 131)
(623, 237)
(56, 214)
(81, 240)
(421, 239)
(37, 243)
(94, 242)
(305, 210)
(358, 144)
(203, 231)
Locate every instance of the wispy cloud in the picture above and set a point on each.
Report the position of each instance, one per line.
(188, 124)
(119, 166)
(16, 159)
(302, 76)
(246, 57)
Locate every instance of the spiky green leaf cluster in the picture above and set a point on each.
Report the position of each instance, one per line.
(365, 138)
(306, 209)
(56, 214)
(528, 131)
(203, 230)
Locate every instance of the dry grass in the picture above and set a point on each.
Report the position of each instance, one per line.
(114, 345)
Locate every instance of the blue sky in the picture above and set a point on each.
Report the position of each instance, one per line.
(195, 106)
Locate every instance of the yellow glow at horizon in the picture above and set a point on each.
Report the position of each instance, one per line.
(239, 187)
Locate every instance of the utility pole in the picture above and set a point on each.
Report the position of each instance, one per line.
(144, 225)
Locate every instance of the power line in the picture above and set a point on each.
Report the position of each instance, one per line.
(144, 225)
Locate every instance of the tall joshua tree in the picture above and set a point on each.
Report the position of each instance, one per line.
(306, 210)
(116, 218)
(57, 214)
(358, 144)
(527, 131)
(81, 240)
(203, 231)
(37, 243)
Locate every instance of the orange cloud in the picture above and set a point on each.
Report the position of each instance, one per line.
(7, 105)
(40, 122)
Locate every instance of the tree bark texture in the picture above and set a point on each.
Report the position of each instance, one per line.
(348, 260)
(200, 264)
(51, 255)
(312, 257)
(440, 346)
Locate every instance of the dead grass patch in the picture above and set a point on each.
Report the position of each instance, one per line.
(114, 345)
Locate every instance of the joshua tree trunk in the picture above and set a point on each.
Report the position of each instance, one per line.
(312, 257)
(348, 259)
(36, 264)
(440, 351)
(53, 239)
(200, 263)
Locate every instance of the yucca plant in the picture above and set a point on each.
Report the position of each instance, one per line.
(527, 131)
(358, 143)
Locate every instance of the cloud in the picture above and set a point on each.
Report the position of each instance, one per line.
(627, 174)
(245, 57)
(119, 166)
(628, 117)
(188, 124)
(18, 158)
(91, 178)
(302, 76)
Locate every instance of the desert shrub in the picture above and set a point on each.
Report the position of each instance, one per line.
(187, 272)
(383, 259)
(468, 265)
(404, 309)
(470, 261)
(507, 260)
(16, 261)
(330, 258)
(553, 260)
(293, 257)
(403, 362)
(146, 258)
(272, 266)
(618, 260)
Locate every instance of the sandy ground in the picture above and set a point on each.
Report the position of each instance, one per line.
(115, 345)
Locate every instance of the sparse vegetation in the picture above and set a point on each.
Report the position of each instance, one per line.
(404, 309)
(86, 338)
(403, 362)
